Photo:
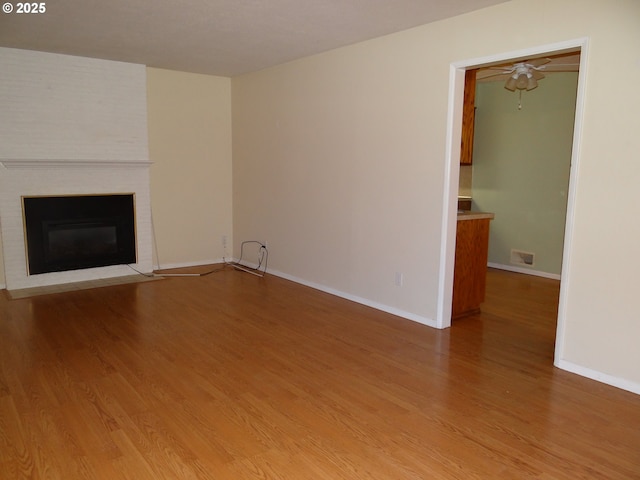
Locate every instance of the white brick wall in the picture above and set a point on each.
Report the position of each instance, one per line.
(71, 108)
(70, 125)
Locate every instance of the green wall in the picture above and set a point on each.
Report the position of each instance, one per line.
(521, 167)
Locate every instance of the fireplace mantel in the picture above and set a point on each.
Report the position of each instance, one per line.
(73, 163)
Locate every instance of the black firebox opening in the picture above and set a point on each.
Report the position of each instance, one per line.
(79, 231)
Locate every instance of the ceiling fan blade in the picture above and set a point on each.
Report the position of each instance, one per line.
(537, 75)
(562, 67)
(502, 69)
(486, 74)
(538, 62)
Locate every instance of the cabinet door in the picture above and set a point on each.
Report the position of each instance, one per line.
(468, 117)
(470, 271)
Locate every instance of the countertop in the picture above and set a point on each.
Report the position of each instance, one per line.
(469, 215)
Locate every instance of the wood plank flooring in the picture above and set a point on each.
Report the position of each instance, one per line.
(231, 376)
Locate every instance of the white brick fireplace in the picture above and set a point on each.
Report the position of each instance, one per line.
(69, 126)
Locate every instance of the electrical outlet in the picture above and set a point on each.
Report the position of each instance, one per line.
(399, 279)
(224, 241)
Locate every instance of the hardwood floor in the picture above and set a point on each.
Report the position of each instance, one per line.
(231, 376)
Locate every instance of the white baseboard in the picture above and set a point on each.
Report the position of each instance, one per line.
(599, 376)
(526, 271)
(199, 263)
(354, 298)
(3, 286)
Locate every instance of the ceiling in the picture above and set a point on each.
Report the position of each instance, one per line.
(216, 37)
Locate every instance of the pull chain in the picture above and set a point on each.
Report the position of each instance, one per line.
(520, 100)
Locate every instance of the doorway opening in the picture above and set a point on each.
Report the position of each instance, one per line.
(457, 77)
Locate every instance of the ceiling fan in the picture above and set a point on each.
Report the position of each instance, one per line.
(524, 75)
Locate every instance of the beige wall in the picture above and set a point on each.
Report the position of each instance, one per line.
(190, 147)
(339, 163)
(332, 167)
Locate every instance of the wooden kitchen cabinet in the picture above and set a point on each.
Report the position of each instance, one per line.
(470, 271)
(468, 117)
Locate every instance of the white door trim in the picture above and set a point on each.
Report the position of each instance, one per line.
(452, 173)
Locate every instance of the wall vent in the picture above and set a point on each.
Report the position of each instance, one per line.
(518, 257)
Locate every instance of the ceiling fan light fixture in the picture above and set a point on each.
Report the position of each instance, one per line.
(523, 78)
(511, 83)
(522, 81)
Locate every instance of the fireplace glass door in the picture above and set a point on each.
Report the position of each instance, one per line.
(76, 232)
